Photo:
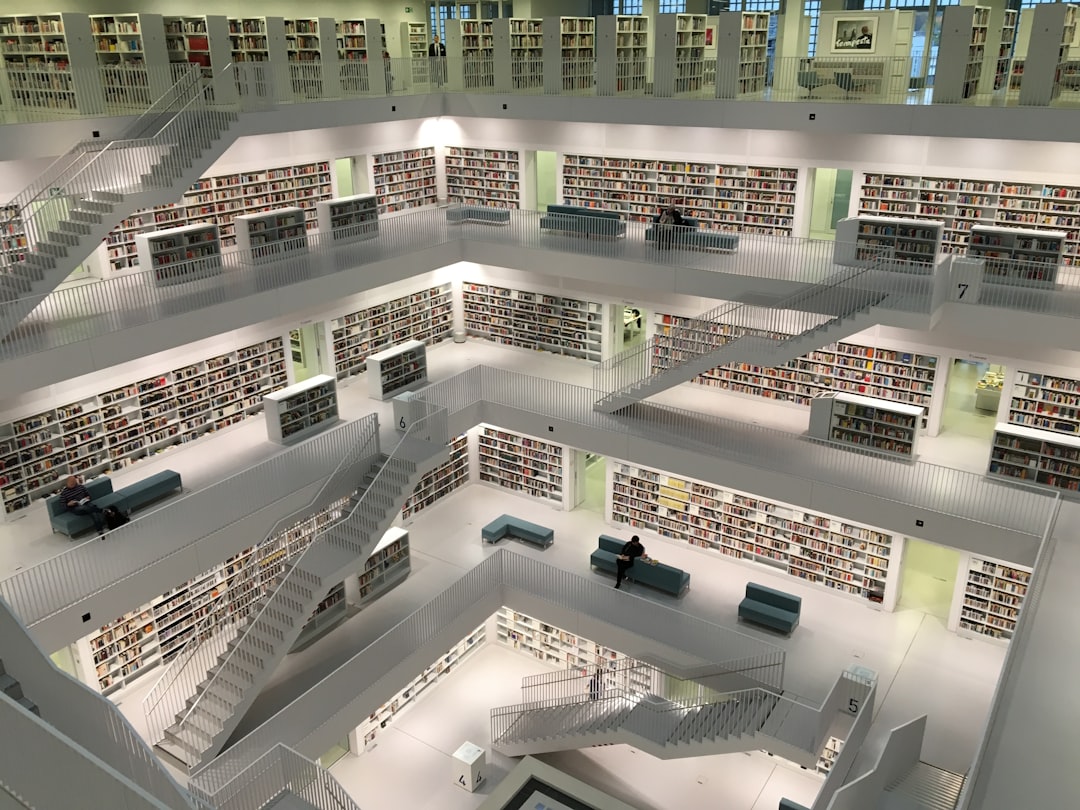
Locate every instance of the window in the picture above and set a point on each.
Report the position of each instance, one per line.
(630, 7)
(672, 7)
(812, 12)
(440, 13)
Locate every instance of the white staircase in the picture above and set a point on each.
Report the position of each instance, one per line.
(13, 689)
(84, 194)
(924, 787)
(216, 705)
(808, 320)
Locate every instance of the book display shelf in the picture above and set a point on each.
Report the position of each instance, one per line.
(257, 39)
(911, 244)
(219, 199)
(176, 255)
(832, 749)
(622, 54)
(1006, 43)
(962, 203)
(521, 463)
(878, 425)
(896, 376)
(474, 41)
(1045, 402)
(532, 320)
(519, 52)
(490, 177)
(442, 481)
(366, 733)
(569, 53)
(679, 54)
(299, 411)
(425, 315)
(13, 241)
(133, 58)
(356, 40)
(48, 61)
(104, 432)
(564, 650)
(747, 199)
(399, 368)
(262, 238)
(853, 560)
(348, 219)
(1017, 255)
(742, 65)
(961, 53)
(388, 565)
(204, 41)
(414, 45)
(405, 179)
(994, 592)
(352, 40)
(311, 48)
(326, 616)
(1036, 456)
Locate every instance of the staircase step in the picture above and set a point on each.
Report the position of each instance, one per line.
(29, 705)
(211, 704)
(10, 687)
(51, 249)
(74, 226)
(178, 753)
(90, 217)
(106, 196)
(95, 206)
(190, 739)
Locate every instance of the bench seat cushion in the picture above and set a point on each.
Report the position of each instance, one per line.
(768, 615)
(477, 213)
(771, 596)
(508, 525)
(604, 560)
(158, 485)
(612, 544)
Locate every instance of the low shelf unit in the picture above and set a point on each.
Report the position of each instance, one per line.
(1036, 457)
(262, 238)
(442, 481)
(176, 255)
(349, 219)
(521, 463)
(1019, 256)
(993, 593)
(878, 425)
(900, 243)
(301, 410)
(400, 368)
(1045, 402)
(388, 566)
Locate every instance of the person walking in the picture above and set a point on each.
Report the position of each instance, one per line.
(596, 684)
(630, 552)
(437, 57)
(77, 499)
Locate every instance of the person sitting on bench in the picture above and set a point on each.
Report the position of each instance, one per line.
(630, 552)
(76, 498)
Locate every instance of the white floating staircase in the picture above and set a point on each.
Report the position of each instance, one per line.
(924, 787)
(834, 311)
(73, 206)
(219, 702)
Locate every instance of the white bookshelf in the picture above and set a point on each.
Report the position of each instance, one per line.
(425, 315)
(405, 179)
(679, 54)
(867, 423)
(742, 39)
(13, 239)
(532, 320)
(470, 43)
(133, 56)
(828, 755)
(744, 198)
(204, 41)
(1053, 28)
(521, 463)
(1037, 456)
(518, 43)
(311, 48)
(442, 481)
(388, 565)
(177, 255)
(622, 54)
(1046, 402)
(400, 368)
(854, 560)
(1018, 255)
(119, 652)
(993, 593)
(298, 411)
(962, 53)
(361, 43)
(1005, 50)
(257, 39)
(48, 63)
(414, 46)
(488, 177)
(912, 243)
(271, 236)
(348, 219)
(569, 54)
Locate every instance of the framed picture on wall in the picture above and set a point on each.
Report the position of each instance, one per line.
(857, 35)
(709, 36)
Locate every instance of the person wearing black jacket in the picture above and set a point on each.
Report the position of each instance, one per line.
(630, 552)
(437, 56)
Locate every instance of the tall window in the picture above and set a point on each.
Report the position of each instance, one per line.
(630, 7)
(440, 13)
(812, 11)
(672, 7)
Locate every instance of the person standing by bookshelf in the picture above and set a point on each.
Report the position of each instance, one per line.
(437, 56)
(630, 552)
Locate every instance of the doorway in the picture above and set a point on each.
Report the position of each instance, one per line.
(546, 180)
(306, 351)
(595, 483)
(634, 319)
(972, 396)
(928, 578)
(343, 173)
(831, 200)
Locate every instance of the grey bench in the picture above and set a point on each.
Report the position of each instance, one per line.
(128, 499)
(580, 220)
(770, 608)
(657, 575)
(510, 526)
(478, 213)
(689, 236)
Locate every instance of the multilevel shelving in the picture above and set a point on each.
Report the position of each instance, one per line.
(518, 43)
(49, 62)
(1053, 28)
(1004, 55)
(742, 39)
(388, 565)
(490, 177)
(521, 463)
(132, 57)
(679, 56)
(1045, 401)
(299, 411)
(472, 42)
(442, 481)
(311, 49)
(961, 53)
(405, 179)
(1018, 255)
(348, 219)
(271, 236)
(257, 39)
(204, 41)
(877, 425)
(1036, 456)
(103, 432)
(534, 320)
(866, 240)
(123, 649)
(569, 53)
(361, 44)
(748, 199)
(994, 593)
(176, 255)
(425, 315)
(897, 376)
(962, 203)
(399, 368)
(622, 54)
(414, 46)
(827, 551)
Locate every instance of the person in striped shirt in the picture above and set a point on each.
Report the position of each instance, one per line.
(76, 498)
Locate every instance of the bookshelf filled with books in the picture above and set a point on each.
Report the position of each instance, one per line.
(49, 63)
(854, 560)
(679, 54)
(132, 58)
(425, 315)
(474, 41)
(993, 593)
(531, 320)
(404, 179)
(1036, 456)
(1020, 256)
(1045, 402)
(177, 255)
(742, 66)
(414, 46)
(399, 368)
(1005, 45)
(490, 177)
(348, 219)
(360, 46)
(622, 54)
(961, 53)
(312, 52)
(13, 241)
(521, 463)
(257, 39)
(569, 53)
(518, 43)
(908, 244)
(299, 411)
(203, 40)
(388, 565)
(270, 236)
(442, 481)
(877, 425)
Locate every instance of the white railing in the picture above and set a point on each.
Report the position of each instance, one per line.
(184, 523)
